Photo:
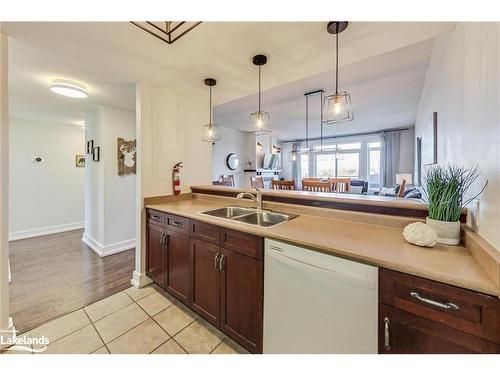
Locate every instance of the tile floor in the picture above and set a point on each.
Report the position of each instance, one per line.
(135, 321)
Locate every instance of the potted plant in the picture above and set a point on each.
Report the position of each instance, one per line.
(444, 191)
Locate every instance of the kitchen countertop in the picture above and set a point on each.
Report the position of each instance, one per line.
(382, 246)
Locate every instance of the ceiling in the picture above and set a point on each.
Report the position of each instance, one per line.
(108, 57)
(385, 91)
(31, 74)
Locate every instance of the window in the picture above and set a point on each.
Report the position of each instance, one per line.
(348, 165)
(325, 165)
(304, 165)
(373, 165)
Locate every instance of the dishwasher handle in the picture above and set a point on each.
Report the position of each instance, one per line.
(279, 255)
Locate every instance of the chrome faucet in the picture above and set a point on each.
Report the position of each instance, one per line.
(257, 198)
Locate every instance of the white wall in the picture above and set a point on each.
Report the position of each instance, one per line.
(169, 130)
(46, 197)
(462, 86)
(232, 141)
(110, 211)
(4, 181)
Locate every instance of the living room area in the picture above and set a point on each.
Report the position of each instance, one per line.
(368, 147)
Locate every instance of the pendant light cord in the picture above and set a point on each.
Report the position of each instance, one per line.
(210, 120)
(259, 90)
(321, 120)
(307, 122)
(337, 60)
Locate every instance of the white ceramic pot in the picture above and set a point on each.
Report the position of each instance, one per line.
(448, 232)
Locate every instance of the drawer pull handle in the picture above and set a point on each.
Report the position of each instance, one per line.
(155, 217)
(176, 223)
(216, 260)
(222, 263)
(446, 306)
(387, 344)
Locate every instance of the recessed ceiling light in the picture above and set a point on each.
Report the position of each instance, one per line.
(67, 88)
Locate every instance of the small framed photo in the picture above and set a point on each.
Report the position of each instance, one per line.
(96, 154)
(80, 161)
(90, 146)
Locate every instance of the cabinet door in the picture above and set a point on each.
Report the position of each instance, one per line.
(404, 333)
(155, 254)
(242, 296)
(205, 280)
(177, 275)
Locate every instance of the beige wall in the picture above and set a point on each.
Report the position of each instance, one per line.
(462, 85)
(169, 130)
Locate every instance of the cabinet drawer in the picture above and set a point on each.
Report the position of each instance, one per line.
(404, 333)
(177, 222)
(471, 312)
(155, 217)
(204, 231)
(243, 243)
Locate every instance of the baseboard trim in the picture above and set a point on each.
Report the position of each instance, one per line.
(140, 280)
(30, 233)
(105, 250)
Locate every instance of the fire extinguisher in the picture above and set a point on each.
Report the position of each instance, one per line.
(176, 178)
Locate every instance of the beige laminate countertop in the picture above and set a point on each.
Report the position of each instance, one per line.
(367, 243)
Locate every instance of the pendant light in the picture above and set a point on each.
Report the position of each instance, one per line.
(211, 131)
(337, 107)
(260, 120)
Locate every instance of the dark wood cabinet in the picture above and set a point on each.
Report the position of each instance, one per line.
(421, 316)
(155, 264)
(242, 299)
(404, 333)
(217, 272)
(177, 264)
(205, 280)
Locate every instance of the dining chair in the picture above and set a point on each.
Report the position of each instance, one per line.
(283, 184)
(340, 185)
(226, 180)
(257, 182)
(317, 186)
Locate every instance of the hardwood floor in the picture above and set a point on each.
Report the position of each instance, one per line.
(56, 274)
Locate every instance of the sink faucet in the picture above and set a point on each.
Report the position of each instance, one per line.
(257, 198)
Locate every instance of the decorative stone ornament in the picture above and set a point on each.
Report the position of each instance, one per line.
(420, 234)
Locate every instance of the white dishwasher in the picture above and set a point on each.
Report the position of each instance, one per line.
(318, 303)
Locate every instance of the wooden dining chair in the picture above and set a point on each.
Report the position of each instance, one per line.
(340, 185)
(257, 182)
(283, 184)
(316, 186)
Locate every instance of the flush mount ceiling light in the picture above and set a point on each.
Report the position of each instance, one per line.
(337, 107)
(211, 131)
(168, 31)
(260, 120)
(70, 89)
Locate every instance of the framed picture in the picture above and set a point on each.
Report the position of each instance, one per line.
(80, 161)
(96, 154)
(90, 146)
(126, 157)
(429, 141)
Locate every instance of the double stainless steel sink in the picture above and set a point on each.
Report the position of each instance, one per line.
(262, 218)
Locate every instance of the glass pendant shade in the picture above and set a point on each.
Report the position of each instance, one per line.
(211, 133)
(260, 121)
(337, 108)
